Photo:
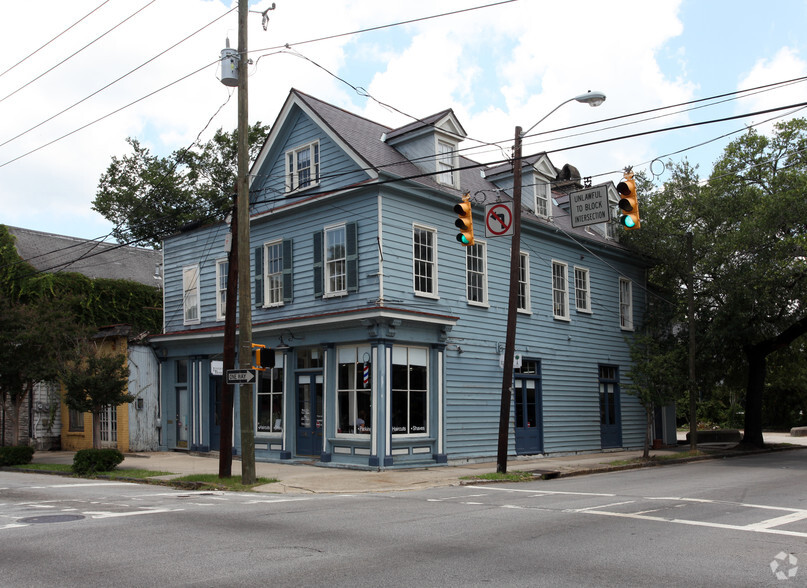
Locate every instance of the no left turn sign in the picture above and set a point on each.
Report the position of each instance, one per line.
(498, 220)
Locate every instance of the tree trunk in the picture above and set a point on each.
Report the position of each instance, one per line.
(648, 411)
(757, 367)
(96, 429)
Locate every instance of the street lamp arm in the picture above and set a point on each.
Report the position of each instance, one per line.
(590, 98)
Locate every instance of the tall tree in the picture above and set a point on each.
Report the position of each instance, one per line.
(148, 197)
(94, 383)
(35, 341)
(749, 223)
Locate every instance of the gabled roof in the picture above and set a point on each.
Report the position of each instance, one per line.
(51, 253)
(362, 140)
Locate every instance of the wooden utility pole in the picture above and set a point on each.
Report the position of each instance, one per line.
(512, 311)
(228, 360)
(244, 277)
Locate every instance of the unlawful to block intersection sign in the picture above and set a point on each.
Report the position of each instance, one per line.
(240, 376)
(589, 206)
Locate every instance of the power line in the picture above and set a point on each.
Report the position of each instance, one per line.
(53, 39)
(79, 51)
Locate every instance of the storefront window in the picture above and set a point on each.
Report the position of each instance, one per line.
(309, 357)
(354, 390)
(410, 390)
(270, 401)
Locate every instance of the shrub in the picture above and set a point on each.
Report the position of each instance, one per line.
(16, 455)
(91, 461)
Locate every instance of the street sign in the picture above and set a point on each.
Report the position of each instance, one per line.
(240, 376)
(589, 206)
(498, 219)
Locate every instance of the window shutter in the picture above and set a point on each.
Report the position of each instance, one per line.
(318, 278)
(352, 257)
(259, 276)
(288, 285)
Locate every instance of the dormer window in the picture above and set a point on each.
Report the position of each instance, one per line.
(447, 163)
(302, 167)
(543, 192)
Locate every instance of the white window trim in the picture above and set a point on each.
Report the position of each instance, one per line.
(189, 302)
(221, 309)
(588, 308)
(485, 302)
(565, 291)
(266, 289)
(527, 297)
(626, 319)
(356, 436)
(292, 178)
(429, 393)
(422, 294)
(454, 172)
(541, 185)
(326, 281)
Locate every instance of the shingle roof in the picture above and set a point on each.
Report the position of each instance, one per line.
(364, 137)
(47, 252)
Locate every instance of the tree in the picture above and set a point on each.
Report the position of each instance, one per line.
(148, 197)
(750, 239)
(35, 340)
(95, 382)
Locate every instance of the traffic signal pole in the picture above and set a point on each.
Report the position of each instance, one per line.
(244, 275)
(512, 311)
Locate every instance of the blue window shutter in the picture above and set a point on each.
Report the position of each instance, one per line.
(259, 276)
(352, 257)
(318, 278)
(288, 284)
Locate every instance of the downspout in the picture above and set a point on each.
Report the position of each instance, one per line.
(380, 238)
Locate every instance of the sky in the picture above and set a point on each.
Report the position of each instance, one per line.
(77, 78)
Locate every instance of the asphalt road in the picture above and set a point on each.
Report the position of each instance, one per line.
(734, 522)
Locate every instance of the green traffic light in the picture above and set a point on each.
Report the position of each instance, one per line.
(628, 221)
(463, 239)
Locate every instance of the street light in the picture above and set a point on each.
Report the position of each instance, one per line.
(592, 99)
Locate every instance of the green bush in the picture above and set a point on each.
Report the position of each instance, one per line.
(91, 461)
(16, 455)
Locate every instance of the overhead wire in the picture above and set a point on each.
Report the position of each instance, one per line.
(35, 51)
(69, 57)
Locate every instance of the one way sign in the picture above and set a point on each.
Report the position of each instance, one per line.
(240, 376)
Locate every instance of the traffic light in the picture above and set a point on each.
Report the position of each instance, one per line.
(629, 204)
(465, 222)
(264, 358)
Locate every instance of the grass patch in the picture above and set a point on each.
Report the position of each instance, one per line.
(45, 467)
(515, 476)
(213, 482)
(135, 473)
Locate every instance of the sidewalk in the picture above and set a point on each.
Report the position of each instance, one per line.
(306, 478)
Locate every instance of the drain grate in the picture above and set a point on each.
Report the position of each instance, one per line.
(63, 518)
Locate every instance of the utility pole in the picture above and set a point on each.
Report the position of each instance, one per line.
(244, 277)
(228, 361)
(512, 311)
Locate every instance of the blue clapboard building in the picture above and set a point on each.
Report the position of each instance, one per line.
(388, 334)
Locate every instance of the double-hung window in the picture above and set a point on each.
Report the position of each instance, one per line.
(336, 261)
(524, 282)
(446, 163)
(410, 390)
(302, 167)
(190, 294)
(625, 304)
(273, 266)
(543, 191)
(582, 290)
(354, 397)
(222, 267)
(476, 274)
(424, 242)
(273, 273)
(560, 291)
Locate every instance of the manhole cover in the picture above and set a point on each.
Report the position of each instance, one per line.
(52, 519)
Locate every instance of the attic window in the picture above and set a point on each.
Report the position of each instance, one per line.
(447, 164)
(302, 167)
(542, 193)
